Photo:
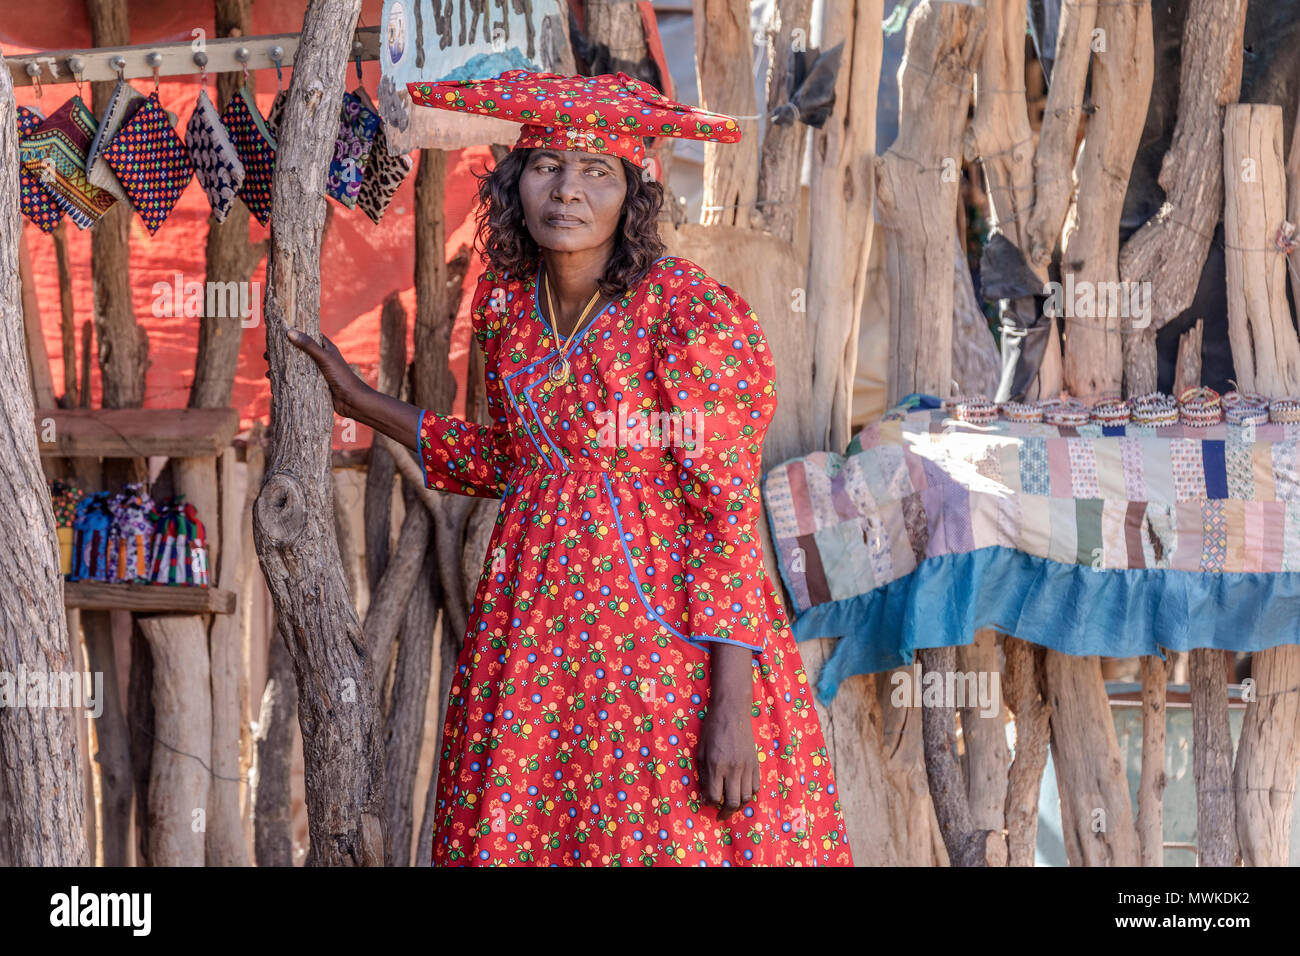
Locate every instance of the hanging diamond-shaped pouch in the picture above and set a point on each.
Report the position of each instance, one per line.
(216, 161)
(34, 200)
(384, 173)
(125, 100)
(358, 125)
(56, 152)
(256, 147)
(151, 161)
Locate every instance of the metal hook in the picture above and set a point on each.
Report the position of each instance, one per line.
(277, 54)
(34, 71)
(201, 61)
(118, 63)
(241, 54)
(356, 52)
(76, 66)
(155, 61)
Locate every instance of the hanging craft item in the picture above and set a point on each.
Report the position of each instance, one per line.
(276, 112)
(180, 553)
(151, 161)
(91, 530)
(358, 125)
(126, 99)
(384, 172)
(256, 147)
(216, 161)
(56, 154)
(131, 535)
(64, 499)
(34, 200)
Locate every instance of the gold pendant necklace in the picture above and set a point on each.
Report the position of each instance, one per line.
(559, 371)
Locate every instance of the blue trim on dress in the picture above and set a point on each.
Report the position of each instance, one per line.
(1070, 608)
(419, 432)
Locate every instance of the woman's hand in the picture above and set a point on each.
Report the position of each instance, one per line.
(728, 758)
(346, 387)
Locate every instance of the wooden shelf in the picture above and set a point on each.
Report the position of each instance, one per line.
(135, 432)
(147, 598)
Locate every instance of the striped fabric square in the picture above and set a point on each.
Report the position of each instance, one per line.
(1273, 518)
(1262, 459)
(1112, 533)
(1087, 518)
(1058, 468)
(1234, 517)
(1064, 546)
(1110, 468)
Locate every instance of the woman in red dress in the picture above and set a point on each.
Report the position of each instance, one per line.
(629, 692)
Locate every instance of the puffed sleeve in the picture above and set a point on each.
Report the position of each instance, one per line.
(461, 456)
(715, 374)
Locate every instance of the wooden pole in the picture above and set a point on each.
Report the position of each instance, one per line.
(781, 156)
(68, 324)
(841, 191)
(292, 527)
(1265, 348)
(1169, 251)
(918, 181)
(1151, 787)
(1026, 696)
(1268, 758)
(1216, 829)
(40, 764)
(1123, 66)
(724, 72)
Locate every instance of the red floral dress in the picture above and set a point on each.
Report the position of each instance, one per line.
(619, 553)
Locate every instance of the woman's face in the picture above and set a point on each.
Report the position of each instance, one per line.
(572, 200)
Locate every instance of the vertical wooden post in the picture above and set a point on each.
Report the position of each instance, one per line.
(1216, 824)
(1151, 788)
(342, 749)
(1265, 348)
(1268, 758)
(40, 765)
(724, 70)
(841, 192)
(1169, 250)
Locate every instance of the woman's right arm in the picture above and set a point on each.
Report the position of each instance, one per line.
(458, 456)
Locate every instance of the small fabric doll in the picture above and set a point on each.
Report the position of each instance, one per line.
(34, 200)
(180, 553)
(358, 125)
(126, 99)
(151, 161)
(384, 172)
(64, 499)
(256, 147)
(216, 161)
(90, 538)
(55, 153)
(131, 535)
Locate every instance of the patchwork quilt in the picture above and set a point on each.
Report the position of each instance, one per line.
(1115, 540)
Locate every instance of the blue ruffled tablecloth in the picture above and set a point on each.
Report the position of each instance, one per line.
(1111, 540)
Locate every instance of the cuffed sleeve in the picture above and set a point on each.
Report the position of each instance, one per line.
(716, 381)
(464, 457)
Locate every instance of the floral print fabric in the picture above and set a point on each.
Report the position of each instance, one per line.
(358, 125)
(625, 544)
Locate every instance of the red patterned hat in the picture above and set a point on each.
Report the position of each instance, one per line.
(609, 113)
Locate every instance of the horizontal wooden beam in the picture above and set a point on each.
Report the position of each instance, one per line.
(192, 56)
(135, 432)
(147, 598)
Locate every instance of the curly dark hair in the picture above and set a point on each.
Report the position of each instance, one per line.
(506, 245)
